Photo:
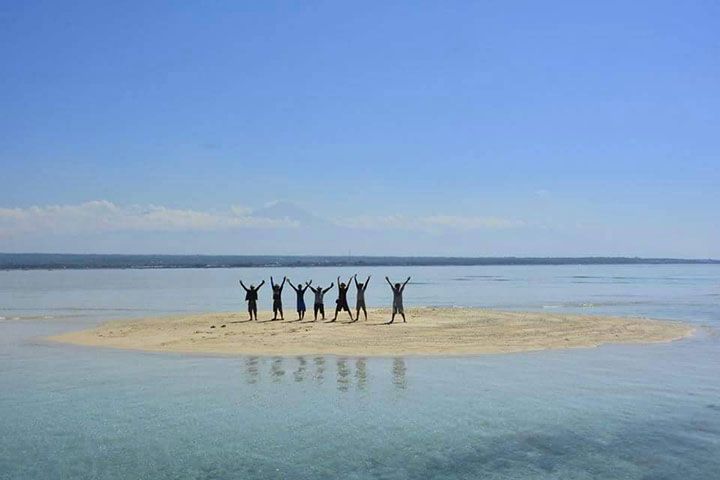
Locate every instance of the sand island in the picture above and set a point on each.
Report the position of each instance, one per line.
(429, 331)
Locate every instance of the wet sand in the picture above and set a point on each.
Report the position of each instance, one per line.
(429, 331)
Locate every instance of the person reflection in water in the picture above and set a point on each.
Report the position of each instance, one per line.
(299, 374)
(251, 297)
(252, 371)
(276, 369)
(398, 372)
(361, 373)
(319, 369)
(343, 375)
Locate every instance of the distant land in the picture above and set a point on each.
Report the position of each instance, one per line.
(54, 261)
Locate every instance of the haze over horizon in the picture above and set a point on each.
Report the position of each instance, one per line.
(513, 129)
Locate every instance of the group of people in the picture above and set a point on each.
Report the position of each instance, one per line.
(341, 304)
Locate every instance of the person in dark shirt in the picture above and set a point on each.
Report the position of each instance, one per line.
(341, 302)
(300, 292)
(251, 296)
(277, 298)
(319, 305)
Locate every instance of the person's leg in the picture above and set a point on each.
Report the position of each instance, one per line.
(337, 310)
(250, 308)
(254, 311)
(322, 310)
(364, 312)
(282, 317)
(316, 307)
(349, 313)
(357, 313)
(402, 312)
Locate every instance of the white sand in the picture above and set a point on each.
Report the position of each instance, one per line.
(429, 331)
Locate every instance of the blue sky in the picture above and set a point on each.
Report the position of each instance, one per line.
(449, 128)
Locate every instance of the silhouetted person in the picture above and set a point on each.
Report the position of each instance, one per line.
(251, 296)
(277, 298)
(360, 303)
(319, 305)
(397, 299)
(341, 303)
(300, 292)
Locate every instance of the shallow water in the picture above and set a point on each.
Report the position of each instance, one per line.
(636, 412)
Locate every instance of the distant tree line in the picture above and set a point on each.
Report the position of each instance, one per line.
(51, 261)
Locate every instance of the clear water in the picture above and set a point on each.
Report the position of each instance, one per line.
(635, 412)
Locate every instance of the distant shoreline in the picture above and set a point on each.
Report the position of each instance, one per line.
(61, 261)
(429, 331)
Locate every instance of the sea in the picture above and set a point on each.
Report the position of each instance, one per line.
(647, 412)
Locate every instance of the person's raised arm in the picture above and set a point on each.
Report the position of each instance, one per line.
(355, 278)
(329, 288)
(293, 286)
(366, 282)
(349, 282)
(243, 285)
(261, 284)
(272, 284)
(403, 285)
(389, 283)
(285, 279)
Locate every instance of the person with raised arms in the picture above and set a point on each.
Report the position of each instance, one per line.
(319, 305)
(277, 298)
(251, 297)
(397, 299)
(300, 292)
(360, 302)
(341, 303)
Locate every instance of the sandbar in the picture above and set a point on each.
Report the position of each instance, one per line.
(428, 331)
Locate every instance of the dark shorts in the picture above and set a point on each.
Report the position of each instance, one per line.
(301, 305)
(277, 304)
(319, 307)
(252, 305)
(342, 305)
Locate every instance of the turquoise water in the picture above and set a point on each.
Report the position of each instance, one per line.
(635, 412)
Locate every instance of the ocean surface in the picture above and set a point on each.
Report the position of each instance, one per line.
(615, 412)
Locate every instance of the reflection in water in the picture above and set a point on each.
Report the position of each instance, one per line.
(299, 374)
(343, 375)
(398, 373)
(361, 373)
(344, 371)
(319, 369)
(251, 369)
(276, 369)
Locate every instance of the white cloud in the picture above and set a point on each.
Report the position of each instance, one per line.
(431, 222)
(104, 216)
